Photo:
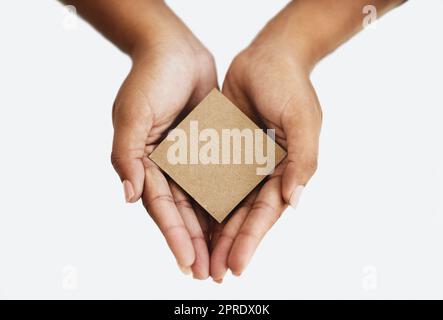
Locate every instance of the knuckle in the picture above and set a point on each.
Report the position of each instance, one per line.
(149, 202)
(236, 71)
(309, 165)
(130, 115)
(206, 58)
(251, 234)
(263, 206)
(118, 162)
(131, 107)
(115, 160)
(183, 204)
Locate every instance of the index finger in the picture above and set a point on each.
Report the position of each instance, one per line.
(160, 203)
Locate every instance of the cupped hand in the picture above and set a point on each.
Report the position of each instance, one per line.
(171, 73)
(269, 81)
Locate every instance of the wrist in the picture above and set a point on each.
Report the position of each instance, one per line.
(146, 28)
(313, 29)
(161, 29)
(287, 36)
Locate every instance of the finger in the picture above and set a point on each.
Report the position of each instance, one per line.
(132, 120)
(265, 211)
(226, 236)
(160, 204)
(217, 229)
(200, 267)
(205, 222)
(302, 128)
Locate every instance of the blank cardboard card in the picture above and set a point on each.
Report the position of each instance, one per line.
(210, 154)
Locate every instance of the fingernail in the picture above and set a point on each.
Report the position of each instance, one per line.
(186, 270)
(219, 281)
(129, 190)
(295, 197)
(236, 274)
(200, 278)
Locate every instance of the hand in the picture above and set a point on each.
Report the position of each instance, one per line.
(269, 82)
(171, 73)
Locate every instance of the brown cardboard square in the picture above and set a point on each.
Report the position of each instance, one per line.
(217, 186)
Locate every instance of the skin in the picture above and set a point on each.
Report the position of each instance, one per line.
(269, 81)
(166, 58)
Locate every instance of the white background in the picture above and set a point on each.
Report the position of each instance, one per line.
(369, 225)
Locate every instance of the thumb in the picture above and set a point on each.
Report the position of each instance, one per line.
(132, 119)
(302, 129)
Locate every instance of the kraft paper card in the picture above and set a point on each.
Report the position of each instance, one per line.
(218, 155)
